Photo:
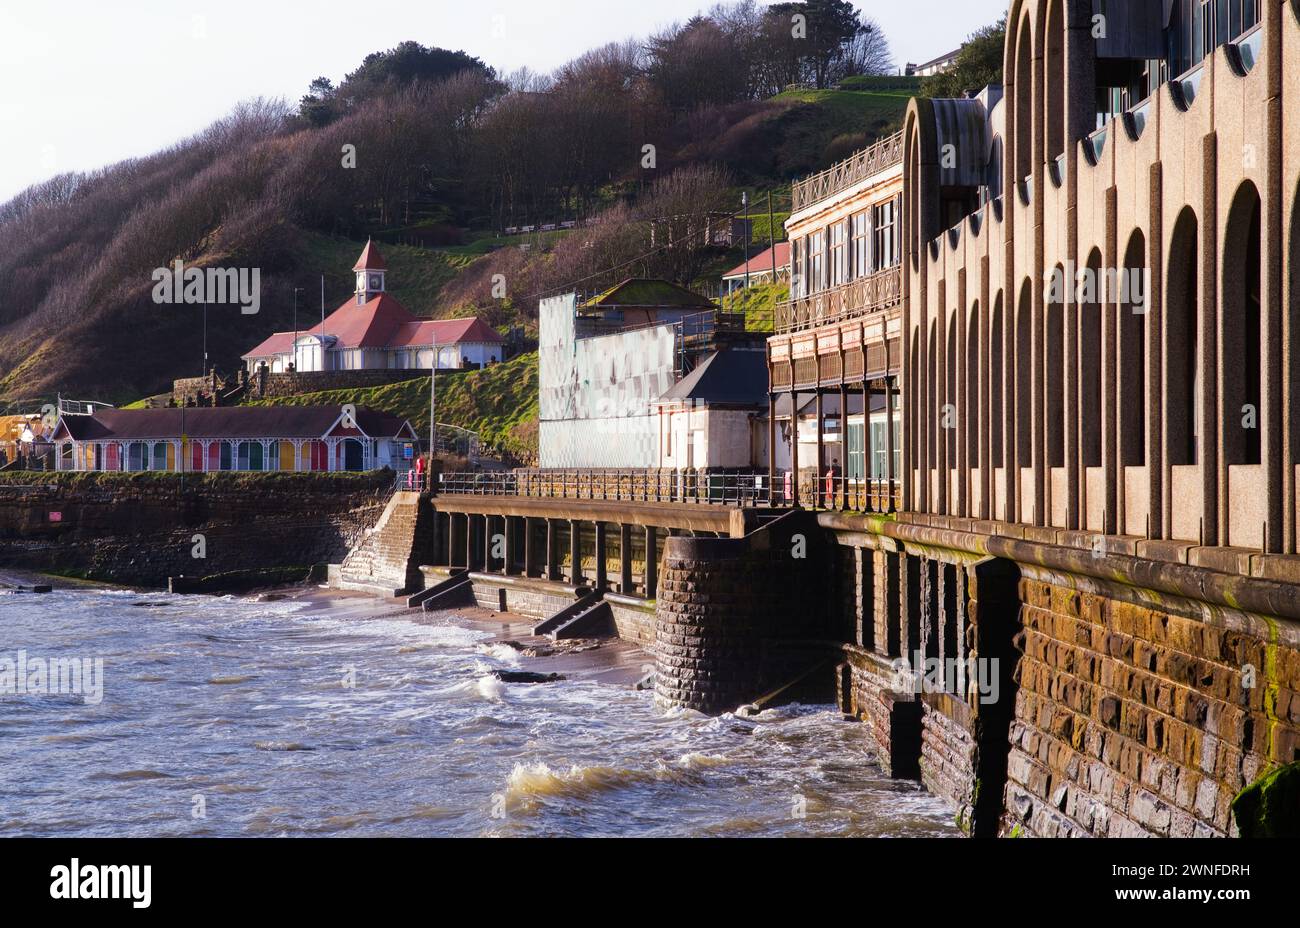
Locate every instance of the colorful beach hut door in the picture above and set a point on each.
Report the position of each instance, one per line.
(353, 455)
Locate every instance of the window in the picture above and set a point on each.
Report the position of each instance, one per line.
(886, 251)
(1198, 27)
(816, 263)
(880, 449)
(861, 244)
(839, 254)
(796, 269)
(855, 464)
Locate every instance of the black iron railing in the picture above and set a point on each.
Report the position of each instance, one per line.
(712, 488)
(734, 488)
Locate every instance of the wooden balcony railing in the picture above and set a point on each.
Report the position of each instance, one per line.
(857, 298)
(861, 165)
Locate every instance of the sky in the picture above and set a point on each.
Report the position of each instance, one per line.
(89, 83)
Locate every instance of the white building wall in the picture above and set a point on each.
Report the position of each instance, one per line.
(596, 394)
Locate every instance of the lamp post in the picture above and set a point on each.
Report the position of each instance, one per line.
(744, 205)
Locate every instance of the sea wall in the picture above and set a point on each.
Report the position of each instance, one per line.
(141, 529)
(731, 612)
(1104, 694)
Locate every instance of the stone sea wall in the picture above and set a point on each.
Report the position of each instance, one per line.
(140, 529)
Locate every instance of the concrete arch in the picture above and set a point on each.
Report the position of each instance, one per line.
(1181, 322)
(996, 373)
(1024, 352)
(1091, 320)
(971, 387)
(920, 178)
(1055, 104)
(912, 388)
(1131, 334)
(1291, 376)
(1240, 346)
(952, 414)
(1054, 372)
(1019, 66)
(931, 413)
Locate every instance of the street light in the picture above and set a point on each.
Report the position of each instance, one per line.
(433, 407)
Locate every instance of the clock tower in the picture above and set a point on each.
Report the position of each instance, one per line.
(370, 270)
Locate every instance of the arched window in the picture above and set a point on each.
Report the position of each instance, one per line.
(997, 412)
(1024, 400)
(1054, 83)
(952, 412)
(1133, 302)
(914, 400)
(971, 389)
(1023, 127)
(1242, 359)
(935, 413)
(1090, 335)
(1054, 375)
(1182, 374)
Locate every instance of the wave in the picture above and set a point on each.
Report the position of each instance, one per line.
(530, 783)
(695, 760)
(491, 689)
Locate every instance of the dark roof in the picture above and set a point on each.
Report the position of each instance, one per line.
(229, 422)
(641, 292)
(724, 378)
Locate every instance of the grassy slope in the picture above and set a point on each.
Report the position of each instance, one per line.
(499, 403)
(758, 304)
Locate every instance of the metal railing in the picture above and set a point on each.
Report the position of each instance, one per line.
(742, 489)
(857, 298)
(858, 167)
(735, 488)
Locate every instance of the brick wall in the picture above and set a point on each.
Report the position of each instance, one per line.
(730, 610)
(139, 528)
(1135, 720)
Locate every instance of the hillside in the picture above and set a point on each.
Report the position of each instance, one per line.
(499, 403)
(449, 155)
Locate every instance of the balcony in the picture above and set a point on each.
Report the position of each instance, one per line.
(860, 297)
(863, 164)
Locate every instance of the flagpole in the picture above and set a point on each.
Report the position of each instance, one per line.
(433, 409)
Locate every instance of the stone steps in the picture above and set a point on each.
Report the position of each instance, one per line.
(384, 559)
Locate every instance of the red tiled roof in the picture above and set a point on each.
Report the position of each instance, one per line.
(447, 332)
(382, 322)
(279, 343)
(371, 259)
(763, 261)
